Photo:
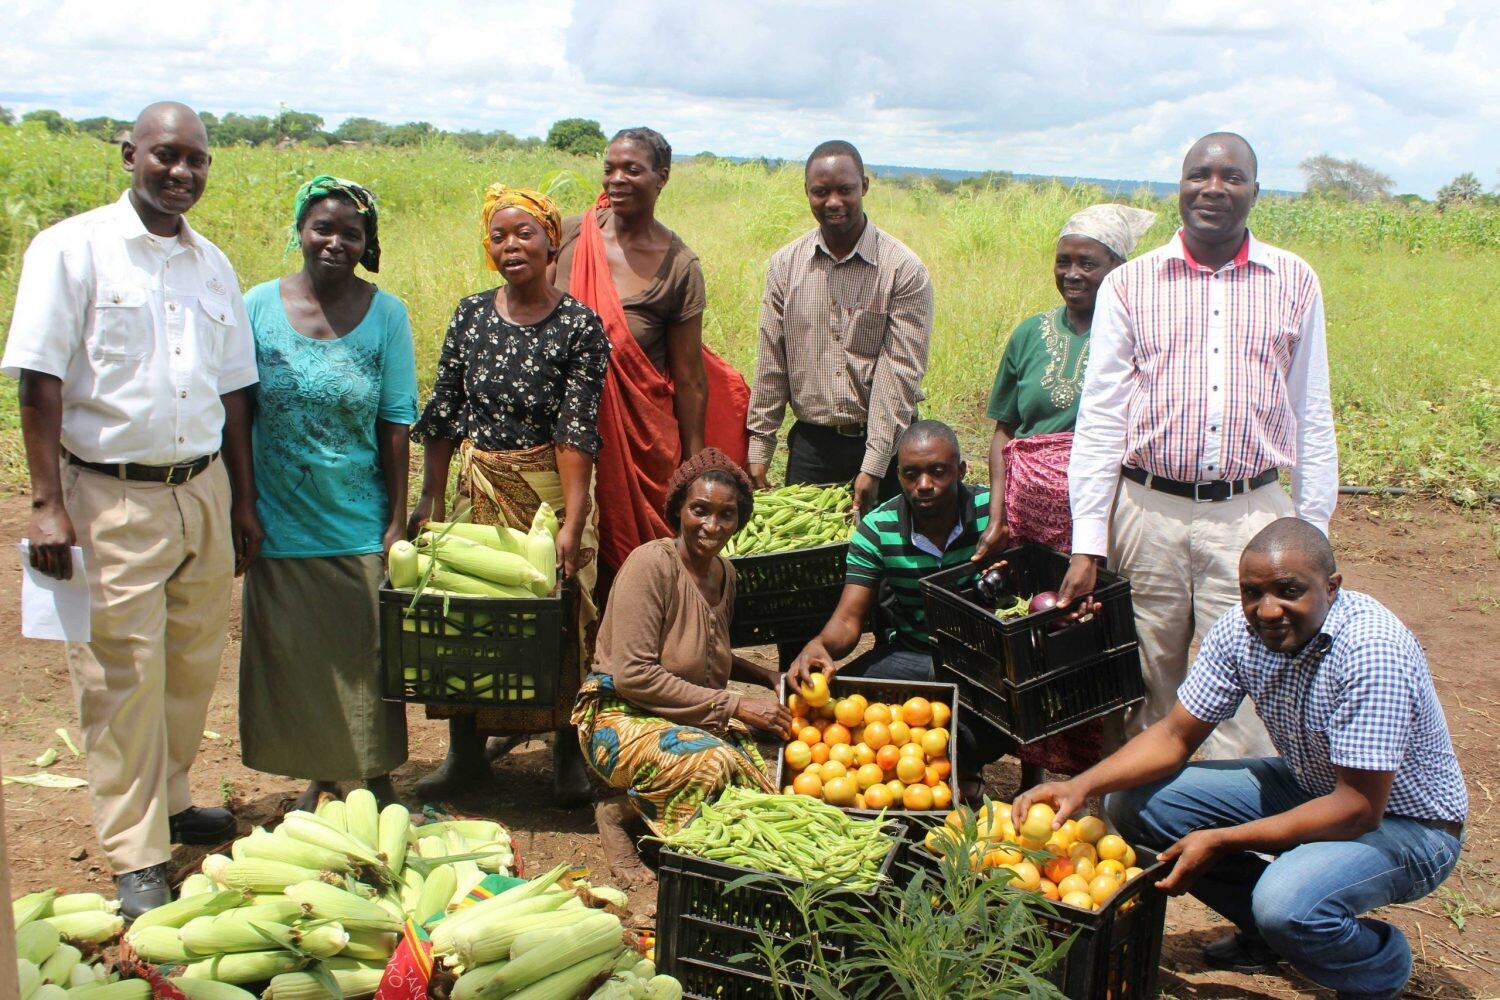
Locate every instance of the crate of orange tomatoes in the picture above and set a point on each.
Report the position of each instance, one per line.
(1089, 885)
(870, 745)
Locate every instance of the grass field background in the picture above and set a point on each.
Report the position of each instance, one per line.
(1410, 292)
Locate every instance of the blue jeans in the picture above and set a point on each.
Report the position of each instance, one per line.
(979, 743)
(1306, 904)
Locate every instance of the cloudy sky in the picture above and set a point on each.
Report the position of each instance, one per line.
(1089, 87)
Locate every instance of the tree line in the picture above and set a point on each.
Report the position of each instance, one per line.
(1330, 177)
(581, 136)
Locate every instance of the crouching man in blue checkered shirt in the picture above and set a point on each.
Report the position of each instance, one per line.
(1364, 807)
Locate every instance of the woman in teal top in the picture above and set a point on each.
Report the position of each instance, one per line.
(337, 393)
(1034, 403)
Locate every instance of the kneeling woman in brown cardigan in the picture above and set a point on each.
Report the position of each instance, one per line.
(655, 718)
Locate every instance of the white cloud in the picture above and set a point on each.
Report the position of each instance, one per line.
(1091, 87)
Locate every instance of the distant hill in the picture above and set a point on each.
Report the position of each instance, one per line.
(1112, 187)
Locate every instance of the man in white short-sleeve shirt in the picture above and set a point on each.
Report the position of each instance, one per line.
(136, 364)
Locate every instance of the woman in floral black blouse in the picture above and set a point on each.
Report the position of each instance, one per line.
(517, 395)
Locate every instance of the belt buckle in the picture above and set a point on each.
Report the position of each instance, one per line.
(1219, 489)
(849, 430)
(171, 471)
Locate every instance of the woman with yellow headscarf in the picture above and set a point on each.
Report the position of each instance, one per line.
(517, 396)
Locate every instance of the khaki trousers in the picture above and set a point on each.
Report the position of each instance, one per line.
(1182, 560)
(160, 568)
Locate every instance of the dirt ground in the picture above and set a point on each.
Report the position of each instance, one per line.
(1438, 568)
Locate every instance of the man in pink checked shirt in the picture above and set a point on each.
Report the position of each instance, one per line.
(1207, 378)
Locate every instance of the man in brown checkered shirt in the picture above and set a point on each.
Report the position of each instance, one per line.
(844, 328)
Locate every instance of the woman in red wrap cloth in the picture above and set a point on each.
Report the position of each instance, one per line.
(667, 396)
(1034, 403)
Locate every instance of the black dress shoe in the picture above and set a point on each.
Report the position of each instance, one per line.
(142, 890)
(201, 827)
(1240, 953)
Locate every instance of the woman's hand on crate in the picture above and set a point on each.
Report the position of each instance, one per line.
(995, 539)
(1195, 855)
(813, 659)
(569, 539)
(770, 716)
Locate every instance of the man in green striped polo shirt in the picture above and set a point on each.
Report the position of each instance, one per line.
(933, 524)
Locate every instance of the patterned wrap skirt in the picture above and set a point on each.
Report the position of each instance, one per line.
(665, 768)
(1036, 509)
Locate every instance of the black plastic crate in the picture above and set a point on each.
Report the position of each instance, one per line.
(786, 597)
(1055, 702)
(701, 924)
(886, 692)
(972, 641)
(482, 651)
(1117, 951)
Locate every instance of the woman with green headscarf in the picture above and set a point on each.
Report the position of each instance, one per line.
(517, 399)
(337, 393)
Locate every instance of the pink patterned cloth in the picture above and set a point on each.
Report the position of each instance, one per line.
(1036, 510)
(1036, 489)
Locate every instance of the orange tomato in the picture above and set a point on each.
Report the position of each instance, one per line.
(840, 792)
(808, 784)
(942, 795)
(820, 752)
(935, 742)
(917, 798)
(815, 691)
(1074, 883)
(943, 766)
(916, 712)
(1111, 847)
(825, 711)
(848, 713)
(879, 797)
(910, 769)
(843, 753)
(809, 735)
(887, 756)
(833, 769)
(859, 800)
(1027, 877)
(835, 733)
(877, 713)
(799, 723)
(1049, 889)
(863, 702)
(941, 714)
(917, 732)
(869, 775)
(1082, 900)
(897, 788)
(1110, 867)
(814, 768)
(1103, 887)
(863, 754)
(1057, 869)
(900, 733)
(797, 705)
(798, 755)
(877, 735)
(1084, 866)
(930, 776)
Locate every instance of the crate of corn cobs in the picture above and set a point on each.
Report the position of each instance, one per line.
(473, 615)
(707, 916)
(1020, 662)
(789, 563)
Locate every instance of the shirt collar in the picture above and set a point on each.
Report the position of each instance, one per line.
(968, 513)
(867, 249)
(132, 228)
(1251, 251)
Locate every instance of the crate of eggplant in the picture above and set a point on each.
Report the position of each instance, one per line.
(473, 615)
(1030, 668)
(789, 563)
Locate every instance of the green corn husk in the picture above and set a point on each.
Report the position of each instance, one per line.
(362, 814)
(180, 911)
(49, 991)
(79, 902)
(88, 927)
(160, 945)
(210, 989)
(355, 984)
(124, 989)
(59, 965)
(245, 967)
(32, 906)
(36, 941)
(393, 835)
(331, 903)
(260, 875)
(196, 884)
(289, 850)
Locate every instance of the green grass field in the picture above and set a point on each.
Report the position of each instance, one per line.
(1409, 292)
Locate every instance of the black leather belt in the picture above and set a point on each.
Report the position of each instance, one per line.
(1209, 490)
(168, 475)
(842, 430)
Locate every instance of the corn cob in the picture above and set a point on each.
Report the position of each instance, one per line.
(159, 945)
(36, 941)
(541, 550)
(180, 911)
(469, 984)
(32, 906)
(486, 913)
(394, 835)
(334, 813)
(195, 884)
(244, 966)
(449, 580)
(472, 559)
(498, 857)
(536, 955)
(210, 989)
(30, 977)
(80, 975)
(568, 978)
(663, 987)
(353, 983)
(344, 962)
(362, 814)
(123, 989)
(412, 882)
(493, 938)
(90, 926)
(277, 909)
(546, 519)
(370, 945)
(500, 537)
(401, 564)
(78, 902)
(436, 891)
(260, 875)
(469, 829)
(49, 991)
(210, 935)
(58, 968)
(432, 847)
(324, 832)
(330, 903)
(213, 867)
(289, 850)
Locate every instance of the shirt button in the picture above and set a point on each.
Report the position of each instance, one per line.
(221, 317)
(1216, 388)
(184, 394)
(176, 350)
(182, 440)
(117, 298)
(1216, 312)
(1214, 428)
(171, 307)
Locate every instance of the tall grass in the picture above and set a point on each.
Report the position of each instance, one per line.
(1415, 364)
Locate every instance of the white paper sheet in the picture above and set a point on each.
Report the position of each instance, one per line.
(51, 608)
